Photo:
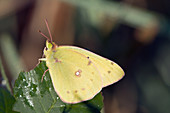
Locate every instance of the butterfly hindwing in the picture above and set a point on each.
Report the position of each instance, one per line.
(75, 77)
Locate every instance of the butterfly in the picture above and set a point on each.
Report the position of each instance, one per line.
(78, 74)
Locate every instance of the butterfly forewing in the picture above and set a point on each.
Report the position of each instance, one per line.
(109, 70)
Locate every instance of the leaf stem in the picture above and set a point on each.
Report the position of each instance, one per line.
(4, 76)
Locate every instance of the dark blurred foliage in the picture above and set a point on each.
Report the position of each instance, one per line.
(143, 52)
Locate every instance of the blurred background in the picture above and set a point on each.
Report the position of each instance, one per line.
(133, 33)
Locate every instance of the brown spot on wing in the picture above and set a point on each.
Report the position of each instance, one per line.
(112, 63)
(89, 63)
(75, 91)
(56, 60)
(109, 72)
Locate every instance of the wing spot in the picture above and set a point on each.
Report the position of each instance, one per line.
(75, 91)
(91, 79)
(56, 60)
(109, 72)
(68, 92)
(88, 57)
(93, 73)
(112, 63)
(83, 89)
(89, 63)
(78, 73)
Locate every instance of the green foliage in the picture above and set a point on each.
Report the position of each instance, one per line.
(6, 101)
(126, 14)
(34, 96)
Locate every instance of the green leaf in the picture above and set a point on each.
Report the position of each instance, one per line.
(34, 96)
(6, 101)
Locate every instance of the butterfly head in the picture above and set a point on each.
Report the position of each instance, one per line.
(50, 47)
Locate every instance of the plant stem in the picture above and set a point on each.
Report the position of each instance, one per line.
(4, 76)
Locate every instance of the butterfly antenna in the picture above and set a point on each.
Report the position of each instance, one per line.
(44, 36)
(46, 22)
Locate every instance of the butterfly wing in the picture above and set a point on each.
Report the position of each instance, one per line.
(73, 78)
(109, 70)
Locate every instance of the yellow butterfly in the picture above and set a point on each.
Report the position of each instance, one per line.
(78, 74)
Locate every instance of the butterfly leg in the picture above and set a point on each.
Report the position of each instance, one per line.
(44, 75)
(41, 59)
